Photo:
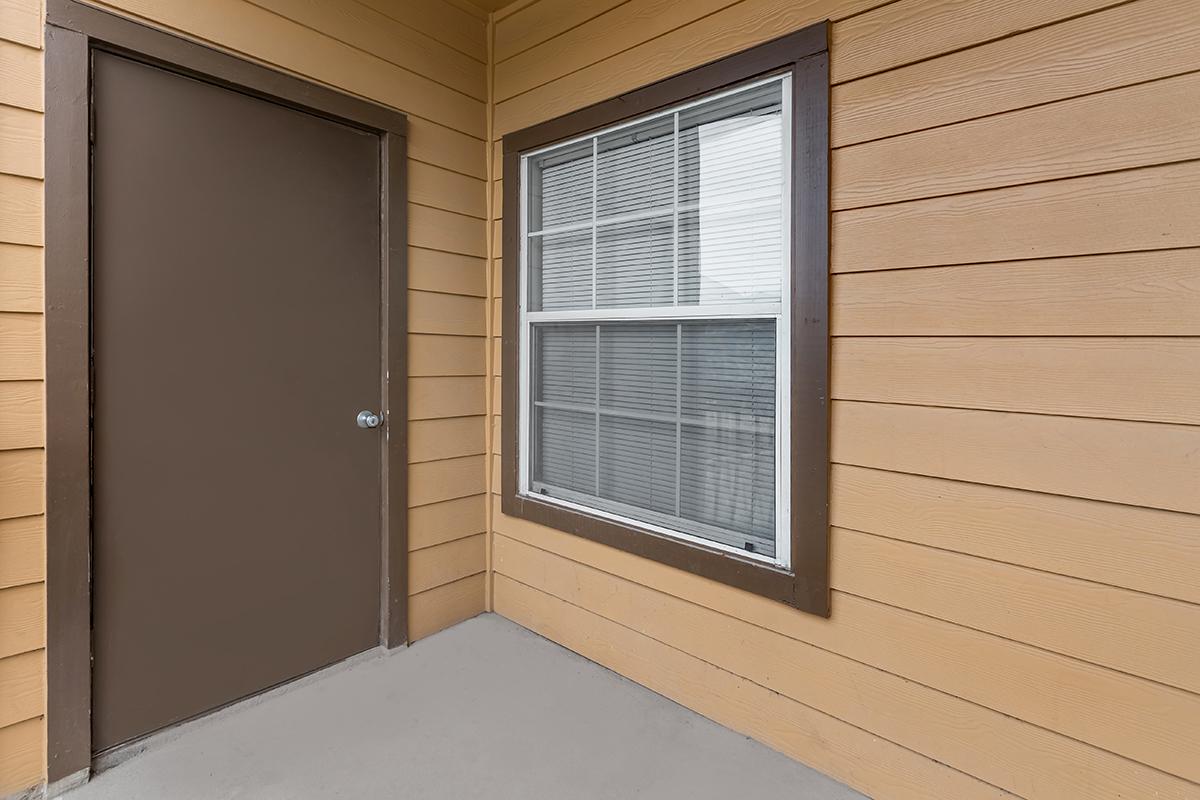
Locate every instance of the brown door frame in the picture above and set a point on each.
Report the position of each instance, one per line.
(73, 32)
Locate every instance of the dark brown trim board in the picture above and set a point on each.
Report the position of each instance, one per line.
(73, 32)
(806, 586)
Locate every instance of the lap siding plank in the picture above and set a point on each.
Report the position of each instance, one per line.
(20, 142)
(22, 619)
(446, 521)
(22, 755)
(22, 687)
(20, 278)
(913, 30)
(1135, 463)
(22, 551)
(1144, 549)
(439, 608)
(1154, 293)
(441, 564)
(22, 415)
(1120, 46)
(1071, 376)
(1135, 126)
(1143, 209)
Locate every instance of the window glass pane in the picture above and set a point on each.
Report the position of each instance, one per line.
(565, 449)
(560, 271)
(634, 264)
(560, 187)
(731, 195)
(727, 447)
(637, 464)
(639, 365)
(636, 168)
(685, 433)
(565, 358)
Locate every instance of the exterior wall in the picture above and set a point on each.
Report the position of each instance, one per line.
(1016, 546)
(433, 66)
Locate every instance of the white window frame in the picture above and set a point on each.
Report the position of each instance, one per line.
(780, 312)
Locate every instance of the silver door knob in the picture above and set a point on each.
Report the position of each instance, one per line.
(369, 419)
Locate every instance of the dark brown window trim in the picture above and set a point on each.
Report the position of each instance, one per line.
(73, 32)
(806, 586)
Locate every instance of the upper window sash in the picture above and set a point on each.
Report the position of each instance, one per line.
(658, 226)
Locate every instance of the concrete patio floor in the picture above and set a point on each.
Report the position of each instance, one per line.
(485, 709)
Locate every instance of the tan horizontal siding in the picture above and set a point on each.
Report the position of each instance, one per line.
(1016, 289)
(433, 312)
(21, 346)
(635, 63)
(1071, 376)
(22, 691)
(432, 355)
(22, 483)
(20, 76)
(20, 278)
(20, 142)
(535, 22)
(434, 439)
(912, 30)
(445, 521)
(442, 21)
(452, 273)
(623, 26)
(393, 40)
(1124, 128)
(435, 398)
(440, 564)
(1143, 209)
(1151, 551)
(22, 755)
(21, 414)
(22, 551)
(21, 22)
(1136, 463)
(22, 531)
(449, 604)
(1120, 46)
(20, 210)
(1141, 634)
(435, 481)
(22, 619)
(1124, 294)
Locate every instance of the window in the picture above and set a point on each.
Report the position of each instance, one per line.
(666, 335)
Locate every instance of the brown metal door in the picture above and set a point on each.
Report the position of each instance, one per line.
(236, 335)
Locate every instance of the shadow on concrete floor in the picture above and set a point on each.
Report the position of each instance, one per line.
(486, 709)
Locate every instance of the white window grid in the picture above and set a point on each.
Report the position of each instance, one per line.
(780, 312)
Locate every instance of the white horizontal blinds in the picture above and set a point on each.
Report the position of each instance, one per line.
(731, 239)
(638, 407)
(565, 406)
(559, 202)
(727, 411)
(681, 434)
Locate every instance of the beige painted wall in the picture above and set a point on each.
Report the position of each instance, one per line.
(1016, 437)
(432, 66)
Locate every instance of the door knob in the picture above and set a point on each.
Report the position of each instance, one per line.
(369, 419)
